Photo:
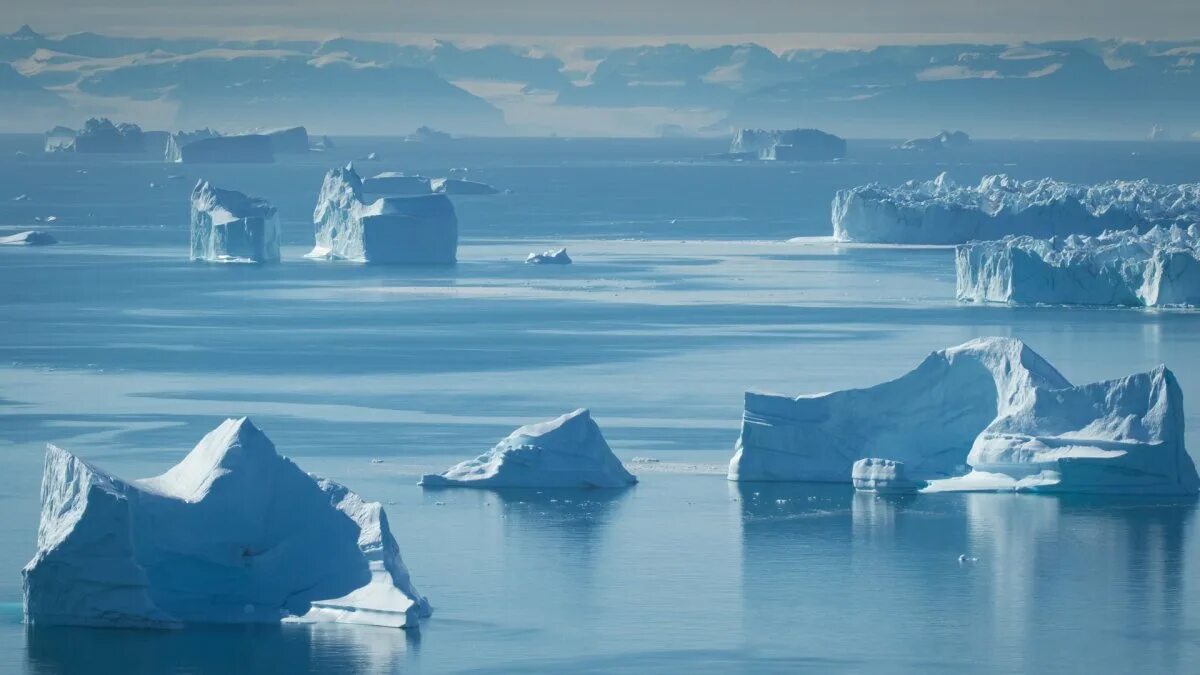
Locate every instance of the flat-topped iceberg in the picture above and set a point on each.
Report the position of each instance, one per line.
(884, 476)
(1123, 268)
(233, 533)
(990, 407)
(398, 184)
(461, 186)
(946, 140)
(942, 212)
(287, 140)
(228, 226)
(786, 144)
(208, 147)
(28, 238)
(566, 452)
(395, 230)
(551, 257)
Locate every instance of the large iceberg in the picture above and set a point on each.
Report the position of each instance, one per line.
(989, 408)
(397, 230)
(208, 147)
(1125, 268)
(228, 226)
(566, 452)
(99, 135)
(942, 212)
(946, 140)
(787, 144)
(28, 238)
(234, 533)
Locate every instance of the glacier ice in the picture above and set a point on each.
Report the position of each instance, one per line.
(942, 212)
(209, 147)
(233, 533)
(551, 257)
(397, 230)
(398, 184)
(228, 226)
(885, 476)
(946, 140)
(787, 144)
(461, 186)
(565, 452)
(990, 407)
(28, 238)
(1158, 268)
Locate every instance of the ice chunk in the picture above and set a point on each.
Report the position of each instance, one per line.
(29, 238)
(459, 186)
(60, 139)
(551, 257)
(566, 452)
(787, 144)
(206, 147)
(992, 405)
(947, 140)
(234, 533)
(942, 212)
(1158, 268)
(228, 226)
(882, 475)
(397, 230)
(399, 184)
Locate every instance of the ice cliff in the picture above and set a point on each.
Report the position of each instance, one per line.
(228, 226)
(988, 414)
(209, 147)
(397, 230)
(1160, 267)
(233, 533)
(566, 452)
(942, 212)
(787, 144)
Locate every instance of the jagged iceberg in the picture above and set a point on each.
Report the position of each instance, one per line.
(234, 533)
(99, 135)
(988, 414)
(551, 257)
(398, 184)
(786, 145)
(461, 186)
(397, 230)
(566, 452)
(208, 147)
(1124, 268)
(884, 476)
(943, 212)
(28, 238)
(228, 226)
(946, 140)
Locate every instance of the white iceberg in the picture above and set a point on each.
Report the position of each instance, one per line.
(234, 533)
(28, 238)
(461, 186)
(228, 226)
(399, 184)
(786, 145)
(943, 212)
(566, 452)
(551, 257)
(884, 476)
(1123, 268)
(991, 406)
(946, 140)
(208, 147)
(396, 230)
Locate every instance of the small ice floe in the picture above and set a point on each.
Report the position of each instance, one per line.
(964, 559)
(153, 185)
(439, 503)
(552, 257)
(21, 154)
(21, 198)
(176, 176)
(377, 461)
(372, 157)
(51, 219)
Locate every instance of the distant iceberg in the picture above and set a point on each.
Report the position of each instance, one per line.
(946, 140)
(228, 226)
(287, 140)
(395, 230)
(209, 147)
(552, 257)
(28, 238)
(566, 452)
(787, 145)
(425, 134)
(942, 212)
(398, 184)
(460, 186)
(99, 135)
(988, 414)
(1123, 268)
(234, 533)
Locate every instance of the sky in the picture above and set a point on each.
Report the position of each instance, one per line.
(853, 22)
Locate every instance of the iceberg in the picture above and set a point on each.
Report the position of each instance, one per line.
(943, 212)
(399, 184)
(208, 147)
(551, 257)
(287, 140)
(989, 408)
(28, 238)
(424, 134)
(396, 230)
(787, 145)
(884, 476)
(1120, 268)
(565, 452)
(228, 226)
(461, 186)
(99, 135)
(233, 533)
(946, 140)
(60, 139)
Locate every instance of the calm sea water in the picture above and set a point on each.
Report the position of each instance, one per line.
(684, 294)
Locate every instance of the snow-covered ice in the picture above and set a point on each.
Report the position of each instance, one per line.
(1158, 268)
(460, 186)
(565, 452)
(28, 238)
(233, 533)
(395, 183)
(228, 226)
(942, 212)
(551, 257)
(991, 406)
(787, 144)
(946, 140)
(872, 474)
(397, 230)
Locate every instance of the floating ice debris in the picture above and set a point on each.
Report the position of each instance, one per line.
(21, 198)
(645, 460)
(964, 558)
(552, 257)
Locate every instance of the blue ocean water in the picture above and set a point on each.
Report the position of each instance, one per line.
(685, 293)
